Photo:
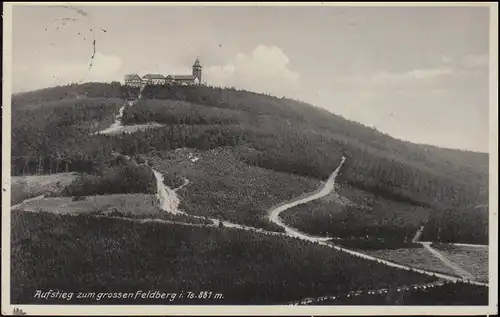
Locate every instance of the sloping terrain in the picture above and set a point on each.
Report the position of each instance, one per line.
(232, 155)
(284, 135)
(89, 254)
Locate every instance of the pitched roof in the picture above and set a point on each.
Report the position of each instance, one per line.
(131, 76)
(153, 76)
(182, 77)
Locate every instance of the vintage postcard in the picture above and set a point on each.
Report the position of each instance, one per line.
(250, 158)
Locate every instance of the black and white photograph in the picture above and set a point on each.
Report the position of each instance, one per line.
(286, 158)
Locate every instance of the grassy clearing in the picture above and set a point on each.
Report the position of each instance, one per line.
(126, 203)
(137, 206)
(221, 186)
(415, 257)
(89, 254)
(471, 259)
(24, 187)
(135, 128)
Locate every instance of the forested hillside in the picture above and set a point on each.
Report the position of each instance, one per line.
(72, 91)
(245, 267)
(55, 125)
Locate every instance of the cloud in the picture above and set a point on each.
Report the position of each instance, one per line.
(266, 70)
(104, 68)
(446, 59)
(385, 78)
(475, 60)
(448, 66)
(412, 75)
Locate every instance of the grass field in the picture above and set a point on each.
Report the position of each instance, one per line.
(135, 128)
(89, 254)
(126, 203)
(416, 257)
(471, 259)
(24, 187)
(222, 186)
(138, 206)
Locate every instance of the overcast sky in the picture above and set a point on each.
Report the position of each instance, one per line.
(417, 73)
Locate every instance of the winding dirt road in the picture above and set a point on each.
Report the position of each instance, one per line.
(169, 202)
(325, 190)
(327, 187)
(117, 125)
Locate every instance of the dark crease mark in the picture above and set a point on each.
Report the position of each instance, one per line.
(68, 19)
(85, 14)
(93, 55)
(104, 30)
(79, 11)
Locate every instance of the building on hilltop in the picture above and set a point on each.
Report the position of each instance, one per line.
(133, 80)
(154, 79)
(158, 79)
(197, 69)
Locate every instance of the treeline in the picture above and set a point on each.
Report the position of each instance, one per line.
(448, 294)
(88, 254)
(117, 179)
(74, 91)
(179, 112)
(458, 226)
(25, 165)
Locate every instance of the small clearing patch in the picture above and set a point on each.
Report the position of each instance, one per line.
(415, 257)
(24, 187)
(471, 259)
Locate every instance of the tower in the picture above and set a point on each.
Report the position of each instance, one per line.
(197, 69)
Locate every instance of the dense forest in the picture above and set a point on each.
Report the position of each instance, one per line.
(51, 129)
(88, 254)
(127, 177)
(460, 294)
(56, 136)
(471, 226)
(382, 223)
(180, 112)
(223, 187)
(375, 243)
